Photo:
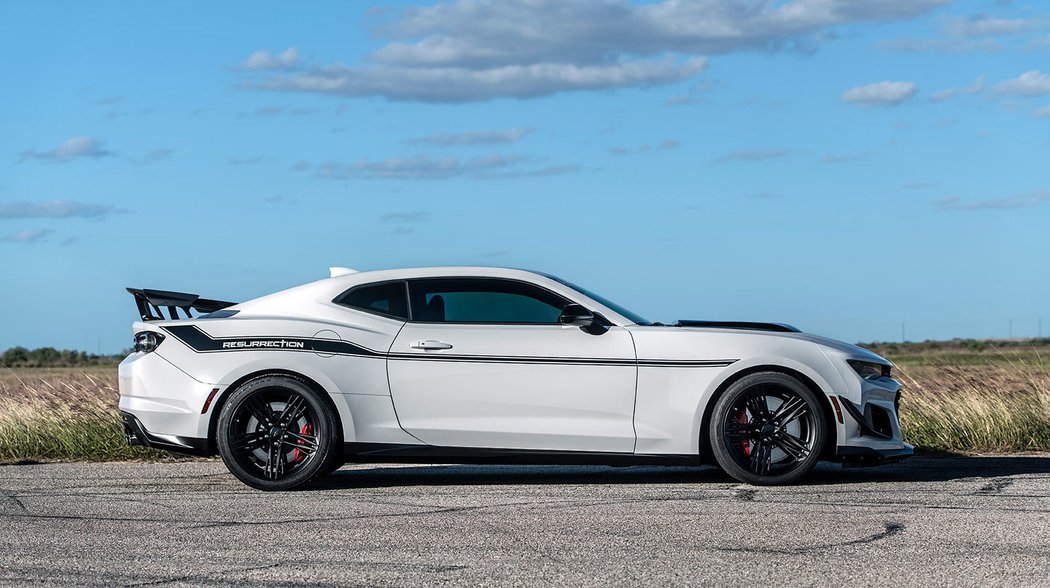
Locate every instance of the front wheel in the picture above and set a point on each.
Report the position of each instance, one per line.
(768, 428)
(277, 433)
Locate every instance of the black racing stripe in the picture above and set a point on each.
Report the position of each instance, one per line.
(202, 342)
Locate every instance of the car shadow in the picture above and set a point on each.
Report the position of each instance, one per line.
(918, 469)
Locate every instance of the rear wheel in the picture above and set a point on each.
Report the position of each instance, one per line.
(768, 428)
(277, 433)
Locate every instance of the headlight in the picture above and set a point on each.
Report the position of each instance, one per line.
(147, 341)
(869, 370)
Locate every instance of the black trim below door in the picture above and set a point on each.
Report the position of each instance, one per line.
(432, 454)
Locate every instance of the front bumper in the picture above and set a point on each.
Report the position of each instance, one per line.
(136, 434)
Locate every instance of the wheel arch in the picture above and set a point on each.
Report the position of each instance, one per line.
(220, 400)
(828, 412)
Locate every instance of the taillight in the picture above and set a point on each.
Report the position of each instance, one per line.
(147, 341)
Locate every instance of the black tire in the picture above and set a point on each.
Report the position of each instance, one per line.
(277, 433)
(767, 429)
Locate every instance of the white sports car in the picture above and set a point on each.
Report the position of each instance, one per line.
(491, 365)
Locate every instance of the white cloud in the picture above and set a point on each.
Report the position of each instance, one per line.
(264, 60)
(464, 85)
(54, 209)
(422, 167)
(27, 236)
(1025, 200)
(880, 94)
(471, 138)
(471, 50)
(1043, 112)
(75, 148)
(977, 33)
(1030, 83)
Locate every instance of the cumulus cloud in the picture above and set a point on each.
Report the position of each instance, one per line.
(250, 160)
(1043, 112)
(75, 148)
(880, 94)
(471, 50)
(264, 60)
(1030, 83)
(471, 138)
(28, 236)
(458, 84)
(54, 209)
(752, 155)
(422, 167)
(1024, 200)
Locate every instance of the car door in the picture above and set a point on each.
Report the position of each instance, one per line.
(484, 362)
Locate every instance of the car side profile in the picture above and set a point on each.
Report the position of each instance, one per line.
(491, 365)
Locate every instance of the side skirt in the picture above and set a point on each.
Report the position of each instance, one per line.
(430, 454)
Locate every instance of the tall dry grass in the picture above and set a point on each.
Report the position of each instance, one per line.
(997, 407)
(62, 414)
(997, 403)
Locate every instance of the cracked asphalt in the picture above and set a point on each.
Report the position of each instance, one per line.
(927, 521)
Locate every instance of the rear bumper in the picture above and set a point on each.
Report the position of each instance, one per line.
(867, 456)
(136, 434)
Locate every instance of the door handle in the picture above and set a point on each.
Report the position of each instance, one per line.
(431, 344)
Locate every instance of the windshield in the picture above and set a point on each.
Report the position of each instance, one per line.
(634, 318)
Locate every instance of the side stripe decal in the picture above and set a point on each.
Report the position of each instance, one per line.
(201, 342)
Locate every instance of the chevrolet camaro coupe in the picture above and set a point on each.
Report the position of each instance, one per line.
(491, 365)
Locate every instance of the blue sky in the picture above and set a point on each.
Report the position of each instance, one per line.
(843, 165)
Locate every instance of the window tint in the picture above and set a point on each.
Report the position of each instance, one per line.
(480, 300)
(387, 299)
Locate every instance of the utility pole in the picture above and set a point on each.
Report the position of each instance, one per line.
(1040, 326)
(1011, 328)
(903, 338)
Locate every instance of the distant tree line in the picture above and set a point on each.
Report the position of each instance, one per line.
(51, 357)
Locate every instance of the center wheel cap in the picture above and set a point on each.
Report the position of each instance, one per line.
(768, 429)
(276, 433)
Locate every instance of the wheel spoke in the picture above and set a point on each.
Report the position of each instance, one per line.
(305, 441)
(275, 461)
(262, 411)
(792, 445)
(248, 441)
(295, 406)
(756, 405)
(791, 409)
(760, 454)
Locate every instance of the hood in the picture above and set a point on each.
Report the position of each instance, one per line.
(851, 350)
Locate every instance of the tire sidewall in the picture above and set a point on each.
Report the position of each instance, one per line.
(325, 429)
(723, 454)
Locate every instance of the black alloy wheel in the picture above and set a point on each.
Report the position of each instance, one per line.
(768, 428)
(277, 433)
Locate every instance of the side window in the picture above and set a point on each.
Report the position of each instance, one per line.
(481, 300)
(388, 299)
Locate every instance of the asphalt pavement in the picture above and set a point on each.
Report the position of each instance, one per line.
(927, 521)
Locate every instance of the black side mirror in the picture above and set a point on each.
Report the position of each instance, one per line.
(577, 315)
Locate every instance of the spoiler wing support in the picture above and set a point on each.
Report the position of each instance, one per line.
(150, 302)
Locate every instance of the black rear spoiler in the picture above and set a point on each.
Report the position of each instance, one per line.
(741, 325)
(150, 303)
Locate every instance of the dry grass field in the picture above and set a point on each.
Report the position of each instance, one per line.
(957, 398)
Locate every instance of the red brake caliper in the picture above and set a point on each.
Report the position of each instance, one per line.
(308, 429)
(742, 419)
